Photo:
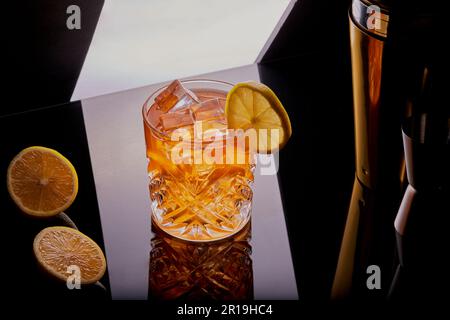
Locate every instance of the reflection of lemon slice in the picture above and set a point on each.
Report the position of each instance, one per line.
(61, 251)
(42, 182)
(254, 105)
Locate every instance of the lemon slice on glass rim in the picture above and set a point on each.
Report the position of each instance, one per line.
(253, 105)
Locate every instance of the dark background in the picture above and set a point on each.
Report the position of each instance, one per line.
(43, 57)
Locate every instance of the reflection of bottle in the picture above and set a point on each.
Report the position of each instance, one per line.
(219, 270)
(422, 221)
(392, 49)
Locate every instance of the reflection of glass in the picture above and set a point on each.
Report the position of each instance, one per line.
(203, 194)
(217, 270)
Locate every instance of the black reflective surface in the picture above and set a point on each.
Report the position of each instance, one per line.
(60, 128)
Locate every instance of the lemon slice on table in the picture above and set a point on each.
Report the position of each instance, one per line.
(42, 182)
(253, 105)
(57, 248)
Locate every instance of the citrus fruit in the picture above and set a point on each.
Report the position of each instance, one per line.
(42, 182)
(57, 248)
(253, 105)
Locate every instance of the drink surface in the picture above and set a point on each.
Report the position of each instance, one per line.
(198, 189)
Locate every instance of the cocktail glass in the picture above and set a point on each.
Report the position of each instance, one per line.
(200, 176)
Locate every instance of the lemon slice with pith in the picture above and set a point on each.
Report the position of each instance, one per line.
(42, 182)
(253, 105)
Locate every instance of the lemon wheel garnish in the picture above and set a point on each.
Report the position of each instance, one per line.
(59, 250)
(42, 182)
(254, 105)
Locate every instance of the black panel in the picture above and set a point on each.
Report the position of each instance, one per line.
(60, 128)
(312, 25)
(44, 57)
(308, 65)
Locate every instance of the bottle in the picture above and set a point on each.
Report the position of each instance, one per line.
(393, 45)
